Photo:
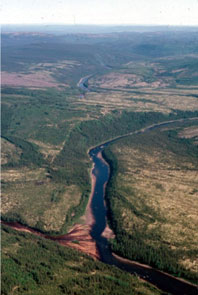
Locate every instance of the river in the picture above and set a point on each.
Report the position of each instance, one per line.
(101, 171)
(82, 84)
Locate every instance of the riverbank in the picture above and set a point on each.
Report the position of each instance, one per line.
(125, 260)
(78, 237)
(91, 237)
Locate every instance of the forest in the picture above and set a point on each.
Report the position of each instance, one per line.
(136, 78)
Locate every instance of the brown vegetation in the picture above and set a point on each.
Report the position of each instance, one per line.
(36, 79)
(154, 178)
(141, 99)
(118, 80)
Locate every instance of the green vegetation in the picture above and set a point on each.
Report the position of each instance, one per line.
(30, 154)
(49, 126)
(150, 196)
(73, 158)
(32, 265)
(54, 133)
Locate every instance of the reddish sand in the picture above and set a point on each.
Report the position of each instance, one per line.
(79, 236)
(89, 218)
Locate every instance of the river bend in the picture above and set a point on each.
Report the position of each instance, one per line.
(101, 171)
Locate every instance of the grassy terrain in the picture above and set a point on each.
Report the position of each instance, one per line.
(163, 72)
(9, 151)
(32, 265)
(47, 184)
(48, 125)
(46, 135)
(35, 126)
(163, 100)
(152, 198)
(46, 180)
(33, 200)
(160, 85)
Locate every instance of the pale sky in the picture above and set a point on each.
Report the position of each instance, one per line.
(125, 12)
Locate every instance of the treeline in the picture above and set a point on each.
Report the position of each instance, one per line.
(75, 212)
(73, 160)
(38, 266)
(72, 165)
(135, 245)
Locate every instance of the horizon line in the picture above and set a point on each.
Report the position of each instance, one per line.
(108, 25)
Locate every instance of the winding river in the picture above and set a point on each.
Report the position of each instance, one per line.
(101, 171)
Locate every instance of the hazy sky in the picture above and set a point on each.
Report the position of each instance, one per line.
(170, 12)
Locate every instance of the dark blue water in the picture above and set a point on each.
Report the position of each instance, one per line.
(163, 281)
(101, 172)
(82, 84)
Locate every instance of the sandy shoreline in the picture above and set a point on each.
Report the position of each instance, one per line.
(133, 262)
(78, 237)
(89, 218)
(89, 222)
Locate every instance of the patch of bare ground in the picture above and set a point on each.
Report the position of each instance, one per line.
(79, 238)
(108, 233)
(153, 178)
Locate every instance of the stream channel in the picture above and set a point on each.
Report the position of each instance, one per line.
(101, 171)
